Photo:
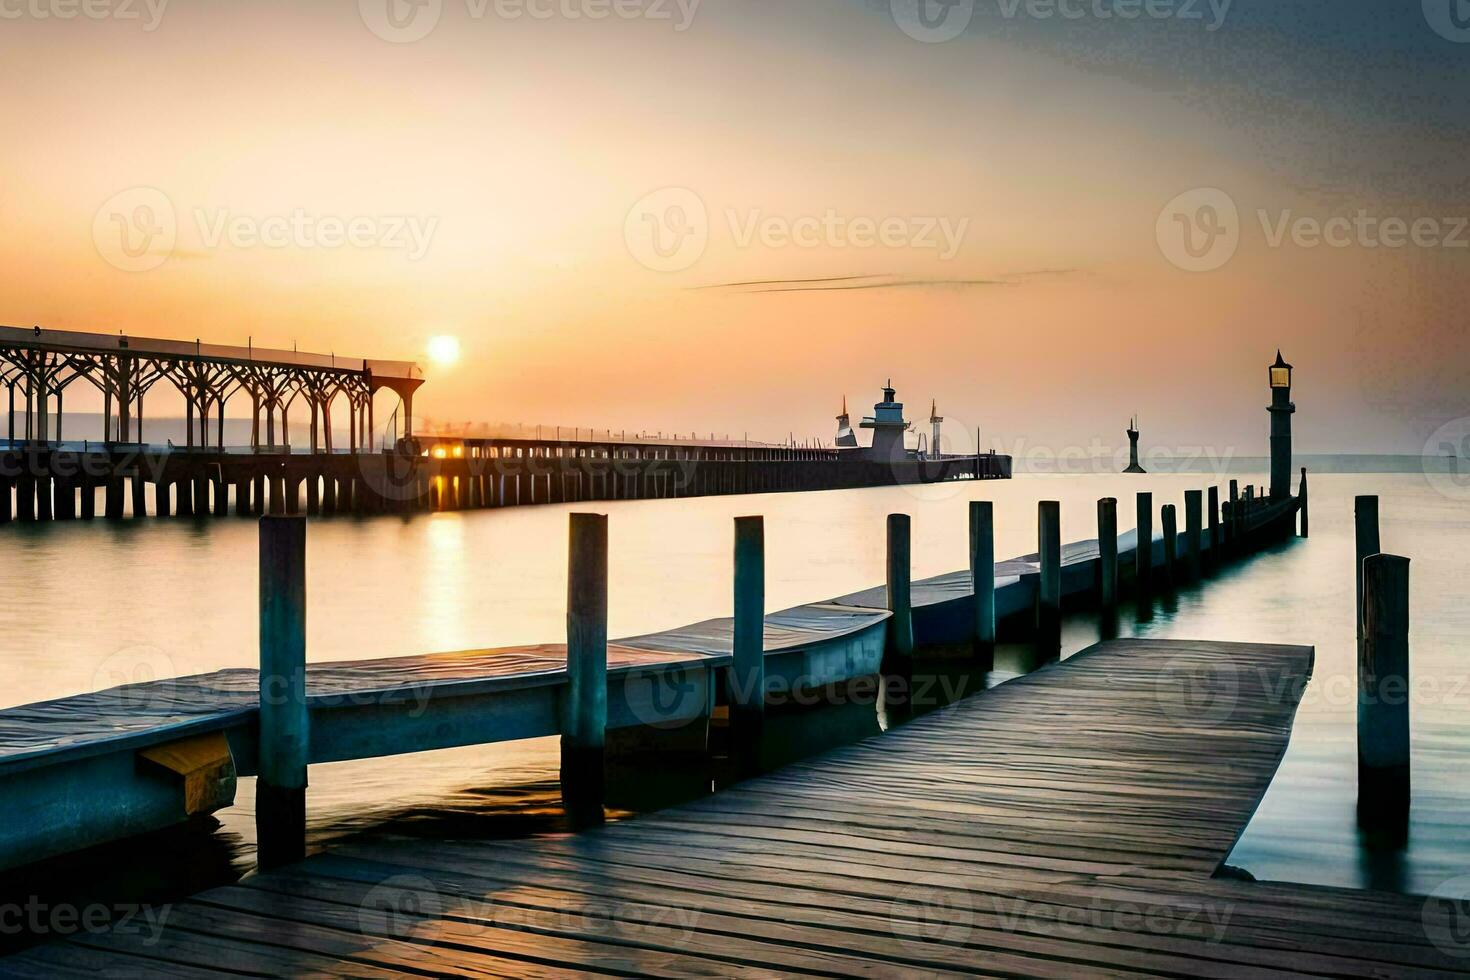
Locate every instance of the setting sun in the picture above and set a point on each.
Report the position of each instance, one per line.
(443, 350)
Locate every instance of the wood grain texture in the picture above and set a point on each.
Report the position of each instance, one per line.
(1068, 823)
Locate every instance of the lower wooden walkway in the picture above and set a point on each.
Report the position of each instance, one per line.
(1069, 823)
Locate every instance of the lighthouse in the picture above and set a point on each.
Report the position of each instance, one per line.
(1281, 410)
(1133, 466)
(936, 422)
(888, 427)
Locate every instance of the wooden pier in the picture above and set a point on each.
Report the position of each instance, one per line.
(91, 768)
(1072, 822)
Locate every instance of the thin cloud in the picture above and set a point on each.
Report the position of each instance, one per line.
(843, 283)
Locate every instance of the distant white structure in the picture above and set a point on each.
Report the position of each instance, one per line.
(888, 427)
(846, 438)
(936, 421)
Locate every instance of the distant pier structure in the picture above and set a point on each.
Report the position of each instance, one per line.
(44, 478)
(1133, 466)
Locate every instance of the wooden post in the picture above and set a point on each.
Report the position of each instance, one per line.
(748, 671)
(280, 806)
(900, 651)
(1365, 525)
(1171, 544)
(1143, 555)
(982, 573)
(1232, 526)
(584, 713)
(1213, 505)
(1302, 496)
(1107, 553)
(1193, 504)
(1049, 585)
(1383, 688)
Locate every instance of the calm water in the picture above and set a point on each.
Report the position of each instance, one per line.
(94, 605)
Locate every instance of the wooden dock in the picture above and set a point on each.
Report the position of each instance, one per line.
(90, 768)
(1070, 823)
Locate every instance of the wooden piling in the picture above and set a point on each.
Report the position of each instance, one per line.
(43, 497)
(280, 806)
(1143, 555)
(1383, 688)
(748, 670)
(1302, 499)
(584, 713)
(1107, 553)
(982, 573)
(1232, 526)
(25, 497)
(1171, 544)
(114, 501)
(1213, 522)
(1365, 527)
(900, 631)
(1193, 505)
(1049, 585)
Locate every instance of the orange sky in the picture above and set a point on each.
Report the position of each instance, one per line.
(516, 148)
